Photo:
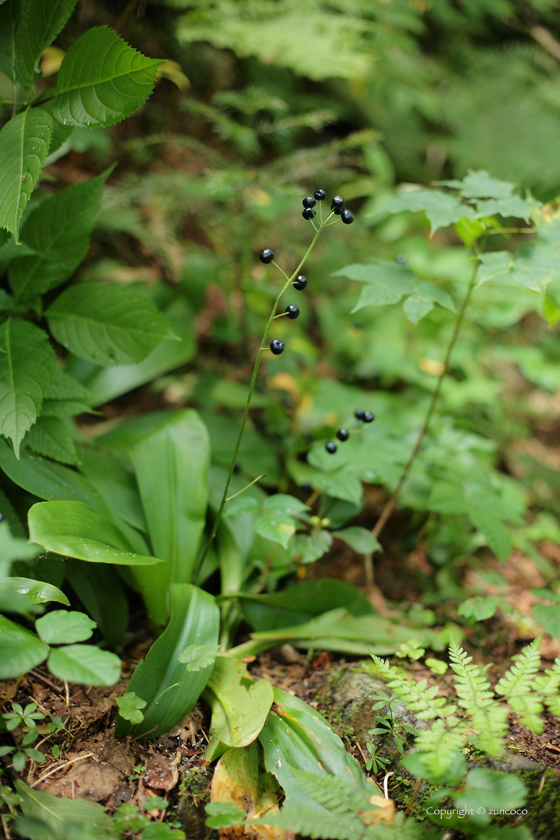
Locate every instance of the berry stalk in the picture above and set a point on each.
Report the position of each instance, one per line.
(262, 347)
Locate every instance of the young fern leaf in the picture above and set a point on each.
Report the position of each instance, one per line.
(489, 719)
(415, 696)
(518, 687)
(548, 685)
(441, 743)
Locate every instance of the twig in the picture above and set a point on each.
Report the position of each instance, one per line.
(413, 797)
(46, 680)
(61, 767)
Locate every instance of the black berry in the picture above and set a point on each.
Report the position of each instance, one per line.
(343, 434)
(320, 195)
(292, 311)
(277, 346)
(308, 214)
(237, 467)
(337, 203)
(309, 202)
(331, 447)
(306, 486)
(347, 217)
(368, 417)
(267, 255)
(300, 282)
(359, 414)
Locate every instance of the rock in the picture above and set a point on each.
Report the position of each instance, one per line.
(194, 794)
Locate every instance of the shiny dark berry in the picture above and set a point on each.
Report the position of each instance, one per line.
(309, 202)
(337, 211)
(277, 346)
(306, 486)
(359, 414)
(331, 447)
(337, 203)
(267, 255)
(320, 195)
(292, 311)
(368, 417)
(347, 217)
(300, 282)
(401, 259)
(343, 434)
(237, 468)
(308, 214)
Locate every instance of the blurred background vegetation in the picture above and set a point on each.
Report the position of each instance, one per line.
(264, 101)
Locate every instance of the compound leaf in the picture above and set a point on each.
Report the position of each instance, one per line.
(27, 365)
(107, 324)
(102, 80)
(24, 145)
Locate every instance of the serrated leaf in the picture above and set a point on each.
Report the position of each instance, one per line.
(422, 300)
(107, 324)
(11, 13)
(276, 527)
(24, 145)
(387, 282)
(40, 23)
(77, 530)
(85, 664)
(479, 607)
(61, 627)
(62, 409)
(441, 208)
(197, 657)
(129, 707)
(66, 387)
(306, 548)
(548, 616)
(480, 184)
(20, 649)
(58, 230)
(27, 366)
(36, 591)
(360, 539)
(102, 80)
(50, 437)
(340, 485)
(496, 534)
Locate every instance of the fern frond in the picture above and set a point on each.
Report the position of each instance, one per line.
(440, 744)
(416, 696)
(518, 687)
(489, 718)
(548, 685)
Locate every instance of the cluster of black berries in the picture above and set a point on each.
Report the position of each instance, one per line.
(337, 206)
(344, 434)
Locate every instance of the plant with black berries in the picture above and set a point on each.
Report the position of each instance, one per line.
(276, 346)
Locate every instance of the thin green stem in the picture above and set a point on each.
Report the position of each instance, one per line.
(279, 269)
(239, 492)
(262, 347)
(389, 506)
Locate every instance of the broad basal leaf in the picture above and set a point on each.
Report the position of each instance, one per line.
(24, 145)
(85, 664)
(61, 813)
(171, 466)
(20, 650)
(239, 706)
(58, 230)
(27, 365)
(40, 23)
(77, 530)
(169, 690)
(107, 324)
(102, 80)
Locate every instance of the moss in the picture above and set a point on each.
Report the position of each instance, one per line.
(194, 794)
(544, 807)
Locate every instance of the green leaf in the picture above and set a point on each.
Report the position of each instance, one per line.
(77, 530)
(11, 14)
(340, 485)
(478, 607)
(24, 145)
(422, 300)
(106, 323)
(106, 472)
(36, 591)
(85, 664)
(20, 649)
(239, 706)
(102, 80)
(548, 617)
(101, 591)
(66, 387)
(282, 503)
(300, 603)
(360, 539)
(196, 657)
(496, 534)
(534, 268)
(306, 548)
(387, 282)
(62, 627)
(276, 527)
(224, 815)
(60, 813)
(479, 184)
(27, 365)
(160, 678)
(488, 789)
(51, 437)
(40, 23)
(441, 208)
(58, 230)
(171, 464)
(129, 707)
